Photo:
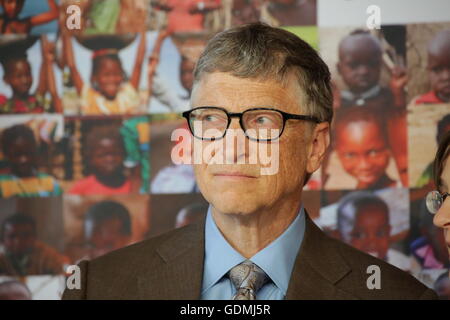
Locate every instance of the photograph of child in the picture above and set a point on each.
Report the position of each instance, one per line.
(28, 16)
(426, 125)
(160, 73)
(360, 157)
(96, 225)
(108, 90)
(429, 63)
(374, 222)
(171, 76)
(368, 68)
(28, 245)
(109, 156)
(26, 143)
(28, 88)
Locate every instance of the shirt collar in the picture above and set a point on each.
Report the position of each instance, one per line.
(277, 259)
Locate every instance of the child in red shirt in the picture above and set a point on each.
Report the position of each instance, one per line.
(438, 70)
(105, 153)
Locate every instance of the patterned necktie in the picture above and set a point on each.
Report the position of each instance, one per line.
(247, 278)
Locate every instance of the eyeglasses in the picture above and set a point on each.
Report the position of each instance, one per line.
(434, 200)
(258, 124)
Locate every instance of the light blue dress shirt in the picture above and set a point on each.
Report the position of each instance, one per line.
(277, 260)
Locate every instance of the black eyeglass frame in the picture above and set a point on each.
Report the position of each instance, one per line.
(286, 116)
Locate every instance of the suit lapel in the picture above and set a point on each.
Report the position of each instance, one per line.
(178, 274)
(317, 269)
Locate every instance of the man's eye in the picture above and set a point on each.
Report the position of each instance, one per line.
(262, 120)
(210, 118)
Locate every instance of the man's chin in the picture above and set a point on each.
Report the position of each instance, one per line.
(233, 203)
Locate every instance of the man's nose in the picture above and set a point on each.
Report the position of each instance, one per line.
(235, 142)
(442, 217)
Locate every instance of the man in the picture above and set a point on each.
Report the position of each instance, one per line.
(256, 224)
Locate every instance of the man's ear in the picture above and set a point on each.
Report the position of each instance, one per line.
(320, 141)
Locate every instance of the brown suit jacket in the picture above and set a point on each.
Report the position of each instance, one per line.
(170, 266)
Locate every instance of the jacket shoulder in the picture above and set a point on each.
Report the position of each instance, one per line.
(114, 275)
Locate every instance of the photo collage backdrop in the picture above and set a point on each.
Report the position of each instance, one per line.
(87, 117)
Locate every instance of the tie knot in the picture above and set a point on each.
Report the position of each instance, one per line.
(247, 278)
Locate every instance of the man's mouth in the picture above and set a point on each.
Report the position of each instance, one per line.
(233, 174)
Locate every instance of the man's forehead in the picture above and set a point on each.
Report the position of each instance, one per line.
(226, 90)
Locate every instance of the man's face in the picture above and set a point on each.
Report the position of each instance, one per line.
(19, 239)
(362, 151)
(439, 74)
(371, 231)
(240, 188)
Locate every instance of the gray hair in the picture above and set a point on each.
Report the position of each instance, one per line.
(258, 51)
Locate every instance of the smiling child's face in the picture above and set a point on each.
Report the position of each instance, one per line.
(371, 231)
(22, 157)
(359, 62)
(18, 76)
(109, 78)
(362, 151)
(107, 157)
